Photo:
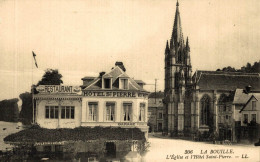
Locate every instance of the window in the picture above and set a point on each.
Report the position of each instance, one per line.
(220, 108)
(58, 148)
(92, 111)
(253, 105)
(51, 112)
(160, 115)
(124, 83)
(67, 112)
(142, 112)
(245, 119)
(229, 108)
(205, 110)
(159, 127)
(127, 111)
(253, 117)
(47, 148)
(107, 83)
(224, 108)
(219, 119)
(229, 119)
(110, 111)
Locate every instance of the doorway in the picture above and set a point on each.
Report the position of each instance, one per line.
(110, 149)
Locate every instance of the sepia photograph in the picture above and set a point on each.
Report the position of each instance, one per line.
(130, 80)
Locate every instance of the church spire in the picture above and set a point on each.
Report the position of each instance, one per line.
(177, 31)
(167, 49)
(187, 44)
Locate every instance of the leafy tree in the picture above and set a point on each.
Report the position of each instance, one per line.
(9, 110)
(255, 68)
(26, 111)
(251, 68)
(51, 77)
(229, 69)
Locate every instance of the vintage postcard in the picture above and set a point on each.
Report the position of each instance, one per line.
(132, 80)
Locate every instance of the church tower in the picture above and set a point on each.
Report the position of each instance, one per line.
(178, 73)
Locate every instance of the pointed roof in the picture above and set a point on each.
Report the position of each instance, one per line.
(114, 74)
(167, 49)
(256, 96)
(187, 44)
(177, 31)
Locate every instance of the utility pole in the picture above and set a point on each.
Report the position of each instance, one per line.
(155, 90)
(155, 85)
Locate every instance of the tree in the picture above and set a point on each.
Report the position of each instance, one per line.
(252, 68)
(255, 68)
(26, 111)
(51, 77)
(9, 110)
(229, 69)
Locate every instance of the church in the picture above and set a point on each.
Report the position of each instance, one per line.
(206, 101)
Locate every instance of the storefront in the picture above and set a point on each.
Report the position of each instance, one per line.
(58, 106)
(110, 100)
(108, 112)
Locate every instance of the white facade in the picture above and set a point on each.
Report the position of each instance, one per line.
(119, 119)
(58, 106)
(47, 119)
(126, 106)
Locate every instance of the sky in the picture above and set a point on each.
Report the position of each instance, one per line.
(83, 38)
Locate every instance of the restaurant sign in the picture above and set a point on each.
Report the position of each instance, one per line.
(114, 94)
(58, 89)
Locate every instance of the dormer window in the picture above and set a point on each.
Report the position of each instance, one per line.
(107, 83)
(253, 105)
(123, 83)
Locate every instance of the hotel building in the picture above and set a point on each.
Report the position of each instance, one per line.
(112, 99)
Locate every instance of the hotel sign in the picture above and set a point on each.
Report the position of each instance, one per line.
(114, 94)
(132, 124)
(58, 89)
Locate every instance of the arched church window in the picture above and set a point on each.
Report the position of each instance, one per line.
(205, 110)
(177, 78)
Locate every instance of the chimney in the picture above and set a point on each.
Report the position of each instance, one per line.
(121, 65)
(102, 73)
(248, 89)
(87, 79)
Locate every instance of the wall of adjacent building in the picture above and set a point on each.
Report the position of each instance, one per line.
(248, 110)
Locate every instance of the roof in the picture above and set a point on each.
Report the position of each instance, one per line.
(152, 102)
(114, 74)
(218, 80)
(177, 30)
(139, 82)
(88, 77)
(241, 97)
(256, 96)
(37, 134)
(158, 95)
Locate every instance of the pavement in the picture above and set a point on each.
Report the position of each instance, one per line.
(159, 135)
